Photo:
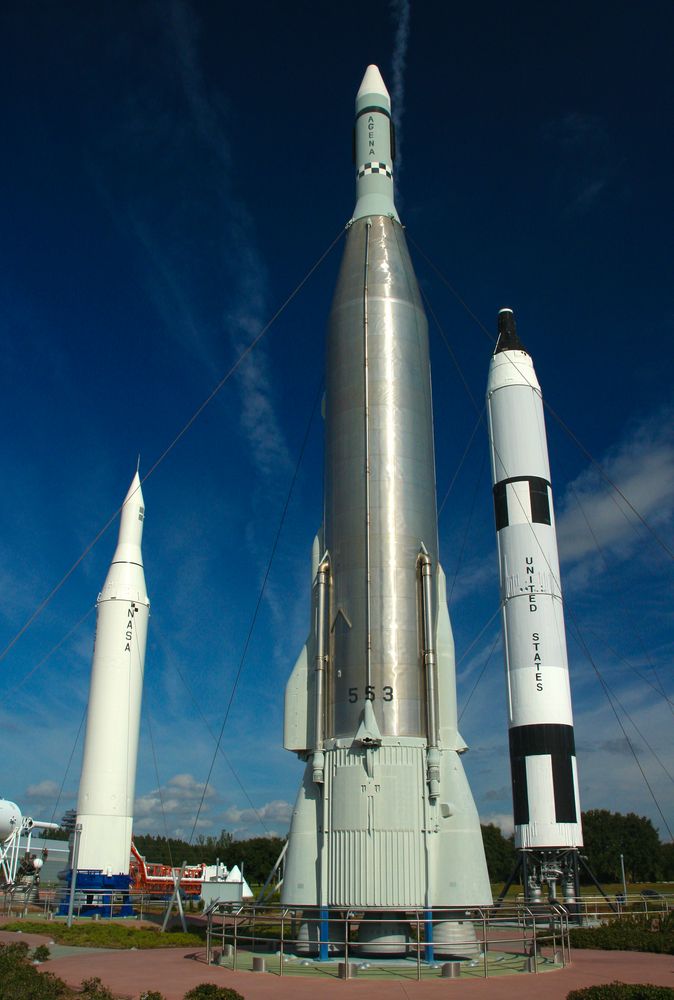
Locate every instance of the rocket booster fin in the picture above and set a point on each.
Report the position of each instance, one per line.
(368, 731)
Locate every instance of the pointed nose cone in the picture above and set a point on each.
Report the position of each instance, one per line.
(131, 525)
(134, 490)
(507, 333)
(374, 148)
(373, 83)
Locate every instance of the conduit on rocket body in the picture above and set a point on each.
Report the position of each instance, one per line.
(384, 817)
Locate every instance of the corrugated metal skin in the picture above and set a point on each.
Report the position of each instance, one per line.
(402, 481)
(376, 829)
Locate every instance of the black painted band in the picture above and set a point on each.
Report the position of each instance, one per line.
(553, 740)
(381, 111)
(539, 500)
(549, 737)
(524, 479)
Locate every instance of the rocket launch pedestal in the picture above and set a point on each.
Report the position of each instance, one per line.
(384, 818)
(102, 836)
(542, 749)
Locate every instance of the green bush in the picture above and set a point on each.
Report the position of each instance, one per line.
(622, 991)
(152, 995)
(633, 933)
(13, 954)
(93, 989)
(20, 980)
(41, 953)
(209, 991)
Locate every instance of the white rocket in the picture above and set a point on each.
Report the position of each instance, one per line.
(384, 817)
(542, 748)
(107, 785)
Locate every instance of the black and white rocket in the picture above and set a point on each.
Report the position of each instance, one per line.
(542, 749)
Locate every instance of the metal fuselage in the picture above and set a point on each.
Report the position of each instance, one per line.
(380, 506)
(384, 817)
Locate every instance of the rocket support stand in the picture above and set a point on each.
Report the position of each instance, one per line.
(177, 898)
(523, 867)
(73, 878)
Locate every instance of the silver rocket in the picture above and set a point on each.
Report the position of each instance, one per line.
(107, 784)
(542, 746)
(384, 817)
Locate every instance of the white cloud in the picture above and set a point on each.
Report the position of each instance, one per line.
(497, 794)
(189, 787)
(400, 11)
(174, 806)
(42, 790)
(247, 317)
(574, 129)
(503, 821)
(584, 162)
(277, 811)
(592, 515)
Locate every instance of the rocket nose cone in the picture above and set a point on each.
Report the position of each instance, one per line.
(131, 521)
(373, 84)
(507, 332)
(134, 492)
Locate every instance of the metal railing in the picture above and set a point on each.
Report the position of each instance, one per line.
(484, 941)
(108, 904)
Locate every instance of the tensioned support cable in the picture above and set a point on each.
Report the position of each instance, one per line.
(583, 645)
(469, 521)
(588, 455)
(607, 479)
(480, 676)
(660, 686)
(159, 788)
(478, 637)
(181, 433)
(469, 445)
(70, 760)
(48, 655)
(637, 673)
(259, 600)
(200, 713)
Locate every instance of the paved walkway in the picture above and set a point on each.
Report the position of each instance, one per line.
(173, 971)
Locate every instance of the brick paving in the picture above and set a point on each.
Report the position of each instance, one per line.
(173, 971)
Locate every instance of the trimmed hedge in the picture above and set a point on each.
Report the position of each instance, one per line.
(622, 991)
(209, 991)
(633, 933)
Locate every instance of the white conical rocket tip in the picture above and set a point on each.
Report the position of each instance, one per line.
(131, 525)
(373, 83)
(374, 149)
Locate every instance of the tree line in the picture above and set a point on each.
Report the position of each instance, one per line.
(255, 856)
(606, 836)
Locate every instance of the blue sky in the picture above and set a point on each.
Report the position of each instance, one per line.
(171, 172)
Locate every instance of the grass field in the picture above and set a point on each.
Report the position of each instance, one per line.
(107, 935)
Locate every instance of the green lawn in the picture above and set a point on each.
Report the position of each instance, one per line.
(107, 935)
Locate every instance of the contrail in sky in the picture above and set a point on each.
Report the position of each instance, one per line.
(400, 11)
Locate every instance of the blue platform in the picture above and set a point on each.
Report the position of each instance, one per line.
(100, 891)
